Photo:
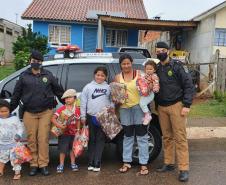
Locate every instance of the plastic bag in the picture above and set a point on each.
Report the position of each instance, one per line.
(109, 122)
(21, 154)
(80, 141)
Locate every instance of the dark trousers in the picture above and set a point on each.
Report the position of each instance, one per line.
(96, 143)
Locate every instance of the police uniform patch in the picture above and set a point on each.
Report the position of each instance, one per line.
(44, 79)
(170, 73)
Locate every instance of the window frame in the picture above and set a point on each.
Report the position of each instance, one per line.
(116, 37)
(58, 42)
(220, 37)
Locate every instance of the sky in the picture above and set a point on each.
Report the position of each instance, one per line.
(166, 9)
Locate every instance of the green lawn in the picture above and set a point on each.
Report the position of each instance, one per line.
(210, 108)
(5, 71)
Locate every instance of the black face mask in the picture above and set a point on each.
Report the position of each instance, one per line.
(36, 66)
(162, 56)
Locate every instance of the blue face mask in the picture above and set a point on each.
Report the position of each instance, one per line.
(162, 56)
(36, 66)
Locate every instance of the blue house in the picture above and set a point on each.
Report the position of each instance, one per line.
(78, 22)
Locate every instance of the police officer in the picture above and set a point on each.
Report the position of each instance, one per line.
(173, 100)
(35, 89)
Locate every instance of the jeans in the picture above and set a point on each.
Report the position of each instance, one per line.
(145, 100)
(131, 120)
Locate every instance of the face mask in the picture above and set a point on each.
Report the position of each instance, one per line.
(162, 56)
(36, 66)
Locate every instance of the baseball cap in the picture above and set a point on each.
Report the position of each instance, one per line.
(69, 93)
(36, 55)
(162, 45)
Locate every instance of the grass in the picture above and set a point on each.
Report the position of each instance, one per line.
(210, 108)
(6, 71)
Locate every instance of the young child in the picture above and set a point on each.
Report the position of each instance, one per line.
(95, 96)
(67, 118)
(11, 130)
(152, 80)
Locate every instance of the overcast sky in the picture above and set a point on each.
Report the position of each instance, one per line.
(167, 9)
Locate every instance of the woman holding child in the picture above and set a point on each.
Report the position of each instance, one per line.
(131, 117)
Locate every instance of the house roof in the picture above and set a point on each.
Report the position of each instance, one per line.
(147, 24)
(210, 11)
(76, 10)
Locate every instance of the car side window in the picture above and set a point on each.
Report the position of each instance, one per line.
(53, 69)
(80, 74)
(8, 88)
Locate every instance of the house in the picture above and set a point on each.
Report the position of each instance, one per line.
(209, 35)
(67, 22)
(9, 32)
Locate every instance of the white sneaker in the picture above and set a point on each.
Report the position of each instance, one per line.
(90, 168)
(95, 169)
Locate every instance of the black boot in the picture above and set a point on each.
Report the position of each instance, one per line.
(33, 171)
(44, 171)
(183, 176)
(166, 168)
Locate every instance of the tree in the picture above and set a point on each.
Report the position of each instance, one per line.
(27, 42)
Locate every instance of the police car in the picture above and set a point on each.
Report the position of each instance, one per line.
(76, 73)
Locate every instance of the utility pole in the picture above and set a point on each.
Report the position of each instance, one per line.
(16, 17)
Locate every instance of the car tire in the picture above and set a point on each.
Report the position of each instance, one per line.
(155, 145)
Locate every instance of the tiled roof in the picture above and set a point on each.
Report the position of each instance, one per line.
(76, 10)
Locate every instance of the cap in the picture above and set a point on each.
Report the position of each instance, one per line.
(36, 55)
(69, 93)
(162, 45)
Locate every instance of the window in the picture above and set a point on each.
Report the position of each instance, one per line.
(116, 38)
(16, 33)
(220, 37)
(9, 31)
(8, 88)
(2, 28)
(59, 35)
(53, 69)
(80, 74)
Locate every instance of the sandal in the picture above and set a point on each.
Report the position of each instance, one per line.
(143, 170)
(17, 176)
(125, 168)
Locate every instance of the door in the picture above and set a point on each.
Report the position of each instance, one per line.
(90, 39)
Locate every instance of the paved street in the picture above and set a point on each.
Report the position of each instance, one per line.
(207, 156)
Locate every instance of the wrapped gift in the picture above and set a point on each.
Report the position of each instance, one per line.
(80, 141)
(109, 122)
(56, 131)
(118, 92)
(142, 86)
(21, 154)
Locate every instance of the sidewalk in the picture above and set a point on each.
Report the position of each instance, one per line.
(205, 128)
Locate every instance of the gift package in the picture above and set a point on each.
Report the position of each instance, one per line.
(109, 122)
(118, 92)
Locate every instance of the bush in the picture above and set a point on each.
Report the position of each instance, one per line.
(27, 42)
(21, 59)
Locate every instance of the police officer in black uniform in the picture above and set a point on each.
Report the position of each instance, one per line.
(35, 90)
(173, 100)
